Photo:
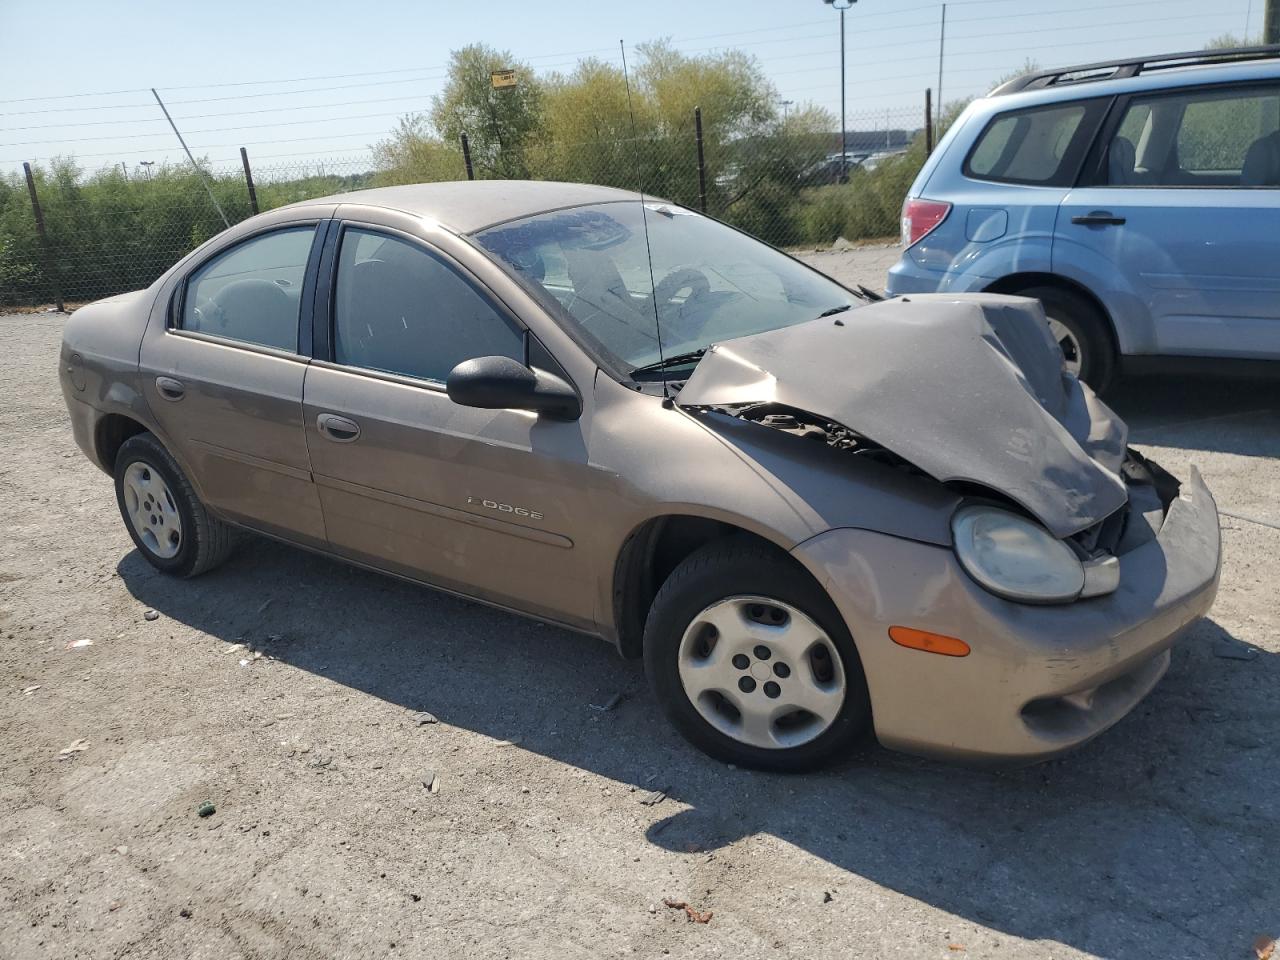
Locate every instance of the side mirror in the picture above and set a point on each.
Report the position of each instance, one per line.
(500, 383)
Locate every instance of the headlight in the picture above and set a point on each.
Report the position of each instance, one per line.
(1014, 557)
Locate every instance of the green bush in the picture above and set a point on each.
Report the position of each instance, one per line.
(110, 233)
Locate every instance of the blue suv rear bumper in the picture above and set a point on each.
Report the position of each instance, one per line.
(907, 276)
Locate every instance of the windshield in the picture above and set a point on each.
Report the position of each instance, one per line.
(709, 282)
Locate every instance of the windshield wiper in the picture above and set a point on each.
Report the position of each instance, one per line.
(834, 310)
(666, 363)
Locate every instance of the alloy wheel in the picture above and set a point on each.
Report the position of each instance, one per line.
(152, 510)
(762, 672)
(1072, 351)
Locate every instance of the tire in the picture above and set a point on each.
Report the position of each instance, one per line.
(729, 581)
(176, 534)
(1087, 327)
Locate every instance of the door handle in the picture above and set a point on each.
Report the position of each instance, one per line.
(338, 428)
(1099, 218)
(170, 388)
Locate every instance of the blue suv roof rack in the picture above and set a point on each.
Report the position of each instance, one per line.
(1119, 69)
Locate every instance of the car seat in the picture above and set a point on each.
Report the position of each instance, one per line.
(1121, 160)
(1262, 162)
(256, 311)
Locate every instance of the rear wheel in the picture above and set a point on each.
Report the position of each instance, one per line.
(168, 523)
(1081, 332)
(752, 662)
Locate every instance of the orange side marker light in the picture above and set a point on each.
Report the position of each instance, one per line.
(928, 642)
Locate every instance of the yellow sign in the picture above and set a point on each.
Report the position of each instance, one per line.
(502, 78)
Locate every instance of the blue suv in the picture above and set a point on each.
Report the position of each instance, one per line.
(1138, 200)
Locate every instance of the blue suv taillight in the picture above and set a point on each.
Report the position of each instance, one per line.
(920, 217)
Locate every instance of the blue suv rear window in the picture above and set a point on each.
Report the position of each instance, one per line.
(1039, 145)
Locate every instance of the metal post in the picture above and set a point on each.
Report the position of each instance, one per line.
(844, 131)
(466, 157)
(702, 164)
(942, 43)
(50, 267)
(199, 172)
(248, 180)
(1271, 22)
(842, 6)
(928, 121)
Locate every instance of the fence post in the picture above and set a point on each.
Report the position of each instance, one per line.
(928, 121)
(49, 265)
(248, 179)
(466, 157)
(702, 165)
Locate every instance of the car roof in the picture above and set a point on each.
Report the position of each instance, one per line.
(466, 206)
(1162, 79)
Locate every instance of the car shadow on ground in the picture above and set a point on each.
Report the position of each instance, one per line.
(1157, 839)
(1223, 414)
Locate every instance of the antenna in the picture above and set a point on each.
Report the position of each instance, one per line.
(644, 219)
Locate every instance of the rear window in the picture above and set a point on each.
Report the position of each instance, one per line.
(1224, 137)
(1042, 145)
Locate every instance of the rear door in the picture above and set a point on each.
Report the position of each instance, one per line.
(223, 378)
(483, 502)
(1178, 228)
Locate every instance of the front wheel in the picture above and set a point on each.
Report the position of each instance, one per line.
(752, 662)
(168, 523)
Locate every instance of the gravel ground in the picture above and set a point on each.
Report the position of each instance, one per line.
(868, 264)
(1158, 840)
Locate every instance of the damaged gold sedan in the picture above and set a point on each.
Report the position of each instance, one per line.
(814, 516)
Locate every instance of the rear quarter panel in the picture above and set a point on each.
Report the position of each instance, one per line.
(993, 229)
(99, 364)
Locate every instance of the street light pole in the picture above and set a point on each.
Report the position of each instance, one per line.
(842, 6)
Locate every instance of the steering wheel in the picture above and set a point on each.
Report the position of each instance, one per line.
(679, 279)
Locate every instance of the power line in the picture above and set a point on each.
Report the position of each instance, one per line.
(863, 62)
(774, 30)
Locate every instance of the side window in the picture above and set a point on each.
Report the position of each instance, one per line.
(402, 310)
(1040, 145)
(252, 292)
(1203, 138)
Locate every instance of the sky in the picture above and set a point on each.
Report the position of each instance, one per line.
(296, 82)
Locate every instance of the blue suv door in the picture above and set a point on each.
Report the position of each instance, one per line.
(1177, 224)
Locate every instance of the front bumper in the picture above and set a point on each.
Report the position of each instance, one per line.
(1040, 680)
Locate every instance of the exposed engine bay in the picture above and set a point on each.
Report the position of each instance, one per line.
(801, 423)
(1150, 487)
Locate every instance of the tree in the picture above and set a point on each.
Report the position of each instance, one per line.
(587, 133)
(414, 154)
(1028, 66)
(499, 123)
(593, 131)
(1229, 41)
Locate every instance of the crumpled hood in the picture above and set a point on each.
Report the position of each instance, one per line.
(965, 387)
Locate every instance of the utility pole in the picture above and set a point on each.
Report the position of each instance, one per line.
(199, 171)
(1271, 22)
(842, 6)
(942, 43)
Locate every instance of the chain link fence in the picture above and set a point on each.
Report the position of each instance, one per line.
(71, 236)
